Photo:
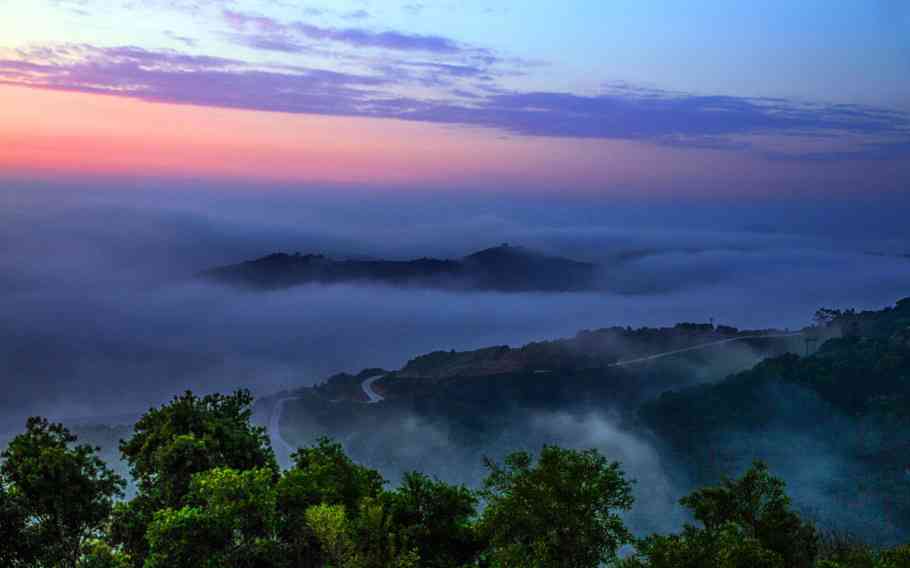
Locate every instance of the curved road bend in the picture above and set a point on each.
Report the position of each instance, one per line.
(275, 428)
(367, 386)
(279, 444)
(374, 397)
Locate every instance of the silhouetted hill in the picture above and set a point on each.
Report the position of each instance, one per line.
(503, 268)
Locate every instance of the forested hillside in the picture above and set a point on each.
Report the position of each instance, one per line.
(503, 457)
(211, 494)
(845, 409)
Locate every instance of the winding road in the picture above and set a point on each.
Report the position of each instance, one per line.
(367, 387)
(697, 347)
(281, 447)
(279, 444)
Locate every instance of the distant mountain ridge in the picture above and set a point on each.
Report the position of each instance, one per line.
(503, 268)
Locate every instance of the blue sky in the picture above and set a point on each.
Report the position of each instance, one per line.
(812, 81)
(843, 51)
(750, 155)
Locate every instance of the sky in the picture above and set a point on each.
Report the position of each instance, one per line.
(737, 161)
(743, 160)
(588, 98)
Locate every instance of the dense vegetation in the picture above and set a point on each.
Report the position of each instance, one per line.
(210, 494)
(848, 403)
(207, 490)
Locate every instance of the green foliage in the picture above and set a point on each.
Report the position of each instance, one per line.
(898, 557)
(230, 519)
(323, 473)
(746, 522)
(99, 554)
(838, 549)
(190, 435)
(726, 546)
(18, 546)
(759, 506)
(380, 543)
(436, 519)
(129, 522)
(330, 525)
(173, 443)
(859, 389)
(211, 496)
(845, 551)
(55, 496)
(343, 544)
(561, 511)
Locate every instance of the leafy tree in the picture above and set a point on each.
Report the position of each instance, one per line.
(837, 549)
(17, 547)
(172, 443)
(190, 435)
(560, 512)
(898, 557)
(322, 475)
(380, 543)
(341, 541)
(129, 523)
(746, 522)
(330, 525)
(210, 496)
(850, 553)
(758, 504)
(99, 554)
(702, 422)
(727, 546)
(435, 518)
(55, 496)
(230, 519)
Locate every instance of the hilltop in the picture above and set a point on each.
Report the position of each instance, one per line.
(502, 268)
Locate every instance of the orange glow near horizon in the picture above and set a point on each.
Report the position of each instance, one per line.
(58, 132)
(57, 135)
(51, 133)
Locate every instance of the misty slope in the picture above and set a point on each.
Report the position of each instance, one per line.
(837, 423)
(834, 424)
(503, 268)
(445, 410)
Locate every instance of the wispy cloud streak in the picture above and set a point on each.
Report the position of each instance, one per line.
(263, 32)
(674, 119)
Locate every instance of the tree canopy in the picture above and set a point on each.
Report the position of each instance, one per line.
(55, 497)
(562, 510)
(745, 522)
(209, 494)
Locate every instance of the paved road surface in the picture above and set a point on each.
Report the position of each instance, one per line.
(697, 347)
(279, 444)
(367, 386)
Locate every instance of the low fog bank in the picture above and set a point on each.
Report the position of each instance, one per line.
(406, 441)
(812, 446)
(100, 314)
(818, 450)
